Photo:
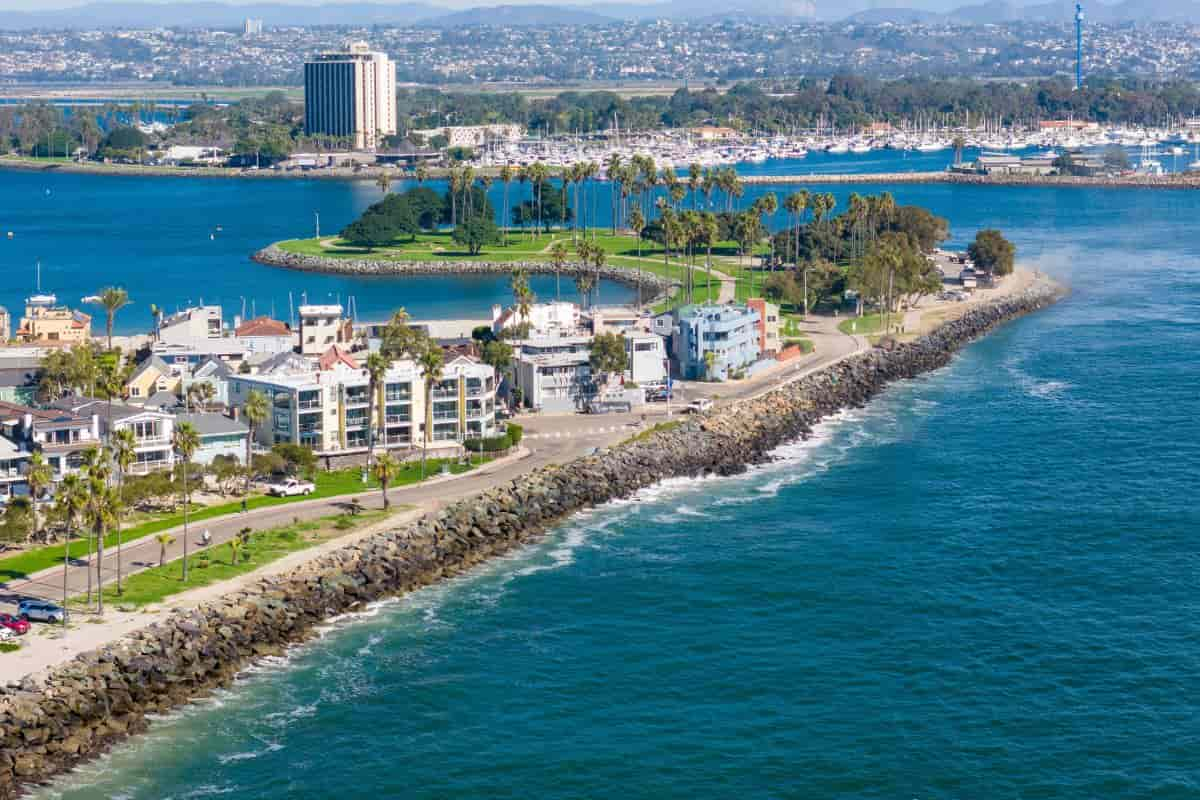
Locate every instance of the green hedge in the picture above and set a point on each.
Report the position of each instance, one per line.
(494, 444)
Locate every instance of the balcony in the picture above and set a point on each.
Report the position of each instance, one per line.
(445, 394)
(309, 405)
(151, 441)
(310, 427)
(396, 419)
(445, 415)
(398, 397)
(142, 467)
(357, 398)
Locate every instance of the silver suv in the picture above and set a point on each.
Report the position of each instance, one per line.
(41, 611)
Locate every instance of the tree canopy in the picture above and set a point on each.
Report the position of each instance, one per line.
(992, 253)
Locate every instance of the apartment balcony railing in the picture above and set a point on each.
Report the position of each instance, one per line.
(396, 419)
(445, 415)
(445, 394)
(151, 441)
(398, 397)
(142, 467)
(305, 405)
(310, 427)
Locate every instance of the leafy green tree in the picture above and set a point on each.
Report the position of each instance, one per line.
(498, 354)
(992, 253)
(607, 354)
(371, 231)
(475, 233)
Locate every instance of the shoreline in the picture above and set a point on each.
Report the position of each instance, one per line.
(1179, 180)
(101, 697)
(274, 256)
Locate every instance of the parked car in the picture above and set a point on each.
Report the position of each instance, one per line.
(292, 487)
(657, 394)
(6, 634)
(14, 624)
(699, 406)
(40, 611)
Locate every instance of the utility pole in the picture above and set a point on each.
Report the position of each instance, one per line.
(317, 216)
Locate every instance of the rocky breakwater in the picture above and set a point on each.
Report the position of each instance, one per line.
(275, 256)
(51, 722)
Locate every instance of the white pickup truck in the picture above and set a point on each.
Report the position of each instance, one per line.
(700, 406)
(292, 487)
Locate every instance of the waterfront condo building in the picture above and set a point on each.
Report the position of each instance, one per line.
(323, 404)
(352, 94)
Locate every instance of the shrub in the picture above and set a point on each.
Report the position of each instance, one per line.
(515, 432)
(492, 444)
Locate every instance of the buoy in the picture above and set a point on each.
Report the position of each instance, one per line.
(10, 234)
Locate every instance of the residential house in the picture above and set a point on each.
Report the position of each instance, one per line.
(265, 335)
(647, 358)
(153, 430)
(553, 374)
(191, 326)
(618, 319)
(14, 462)
(60, 435)
(219, 436)
(18, 384)
(545, 319)
(212, 371)
(768, 326)
(151, 377)
(46, 321)
(714, 341)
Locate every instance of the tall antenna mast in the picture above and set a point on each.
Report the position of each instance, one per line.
(1078, 46)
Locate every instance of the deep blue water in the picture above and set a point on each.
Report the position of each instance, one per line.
(985, 584)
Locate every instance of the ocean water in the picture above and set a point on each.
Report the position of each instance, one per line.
(984, 584)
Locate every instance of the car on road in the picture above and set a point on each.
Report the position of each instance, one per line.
(292, 487)
(657, 394)
(15, 624)
(6, 634)
(41, 611)
(699, 406)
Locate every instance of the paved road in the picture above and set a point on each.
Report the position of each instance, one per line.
(549, 439)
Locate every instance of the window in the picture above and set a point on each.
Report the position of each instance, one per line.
(644, 347)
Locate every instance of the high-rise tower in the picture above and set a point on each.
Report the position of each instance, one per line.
(351, 93)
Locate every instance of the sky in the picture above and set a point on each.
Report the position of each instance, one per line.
(42, 5)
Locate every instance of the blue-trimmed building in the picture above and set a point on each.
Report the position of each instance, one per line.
(730, 333)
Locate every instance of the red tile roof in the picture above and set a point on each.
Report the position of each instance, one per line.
(335, 354)
(262, 326)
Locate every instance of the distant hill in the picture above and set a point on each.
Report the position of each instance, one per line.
(216, 15)
(516, 16)
(898, 16)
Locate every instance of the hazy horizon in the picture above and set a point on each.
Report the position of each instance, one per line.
(44, 5)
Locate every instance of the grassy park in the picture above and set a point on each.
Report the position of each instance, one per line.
(329, 484)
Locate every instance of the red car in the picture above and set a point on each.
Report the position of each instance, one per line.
(15, 624)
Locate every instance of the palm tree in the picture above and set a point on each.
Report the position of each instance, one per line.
(384, 182)
(795, 204)
(506, 177)
(156, 316)
(186, 442)
(538, 174)
(98, 471)
(256, 410)
(38, 477)
(612, 171)
(959, 144)
(710, 229)
(164, 540)
(694, 178)
(235, 550)
(377, 366)
(122, 443)
(112, 300)
(386, 469)
(71, 500)
(421, 174)
(558, 258)
(598, 258)
(431, 362)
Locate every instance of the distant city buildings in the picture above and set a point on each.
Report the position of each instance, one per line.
(252, 27)
(351, 94)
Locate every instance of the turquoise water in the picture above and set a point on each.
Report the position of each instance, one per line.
(982, 585)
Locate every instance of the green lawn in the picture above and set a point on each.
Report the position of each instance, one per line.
(329, 484)
(865, 325)
(217, 563)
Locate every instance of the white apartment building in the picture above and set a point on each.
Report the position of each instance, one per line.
(647, 357)
(153, 431)
(351, 93)
(545, 319)
(553, 374)
(324, 404)
(191, 326)
(321, 327)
